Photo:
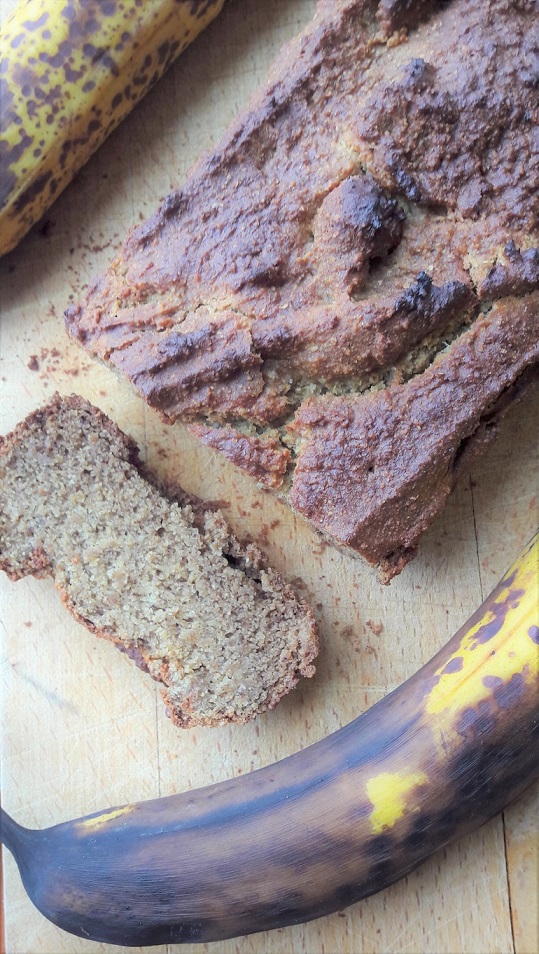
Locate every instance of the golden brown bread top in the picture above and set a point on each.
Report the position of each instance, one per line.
(379, 195)
(374, 470)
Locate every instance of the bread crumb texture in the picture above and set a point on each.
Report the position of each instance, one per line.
(167, 582)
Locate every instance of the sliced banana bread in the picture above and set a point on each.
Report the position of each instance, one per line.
(163, 578)
(379, 201)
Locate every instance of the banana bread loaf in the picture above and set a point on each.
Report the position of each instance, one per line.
(165, 580)
(343, 296)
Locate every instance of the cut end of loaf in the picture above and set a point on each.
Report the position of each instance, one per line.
(169, 584)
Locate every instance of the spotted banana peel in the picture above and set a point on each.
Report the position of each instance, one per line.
(71, 70)
(321, 829)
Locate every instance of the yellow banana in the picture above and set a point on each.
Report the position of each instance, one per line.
(71, 70)
(327, 826)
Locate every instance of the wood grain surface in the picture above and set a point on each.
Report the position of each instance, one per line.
(82, 727)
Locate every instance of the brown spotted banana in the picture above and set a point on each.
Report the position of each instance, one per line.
(70, 71)
(321, 829)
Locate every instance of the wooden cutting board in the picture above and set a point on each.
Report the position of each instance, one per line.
(83, 728)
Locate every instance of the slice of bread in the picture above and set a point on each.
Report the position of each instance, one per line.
(161, 576)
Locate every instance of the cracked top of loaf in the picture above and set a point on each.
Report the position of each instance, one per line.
(374, 211)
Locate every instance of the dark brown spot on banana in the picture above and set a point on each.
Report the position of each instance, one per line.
(454, 665)
(73, 58)
(29, 195)
(32, 25)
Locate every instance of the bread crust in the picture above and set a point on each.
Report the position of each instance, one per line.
(378, 198)
(412, 441)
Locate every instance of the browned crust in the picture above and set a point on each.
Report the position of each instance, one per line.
(374, 471)
(516, 272)
(402, 14)
(264, 458)
(381, 192)
(38, 565)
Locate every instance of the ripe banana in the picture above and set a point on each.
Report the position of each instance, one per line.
(71, 70)
(320, 829)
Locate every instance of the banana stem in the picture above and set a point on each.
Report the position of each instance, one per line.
(11, 834)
